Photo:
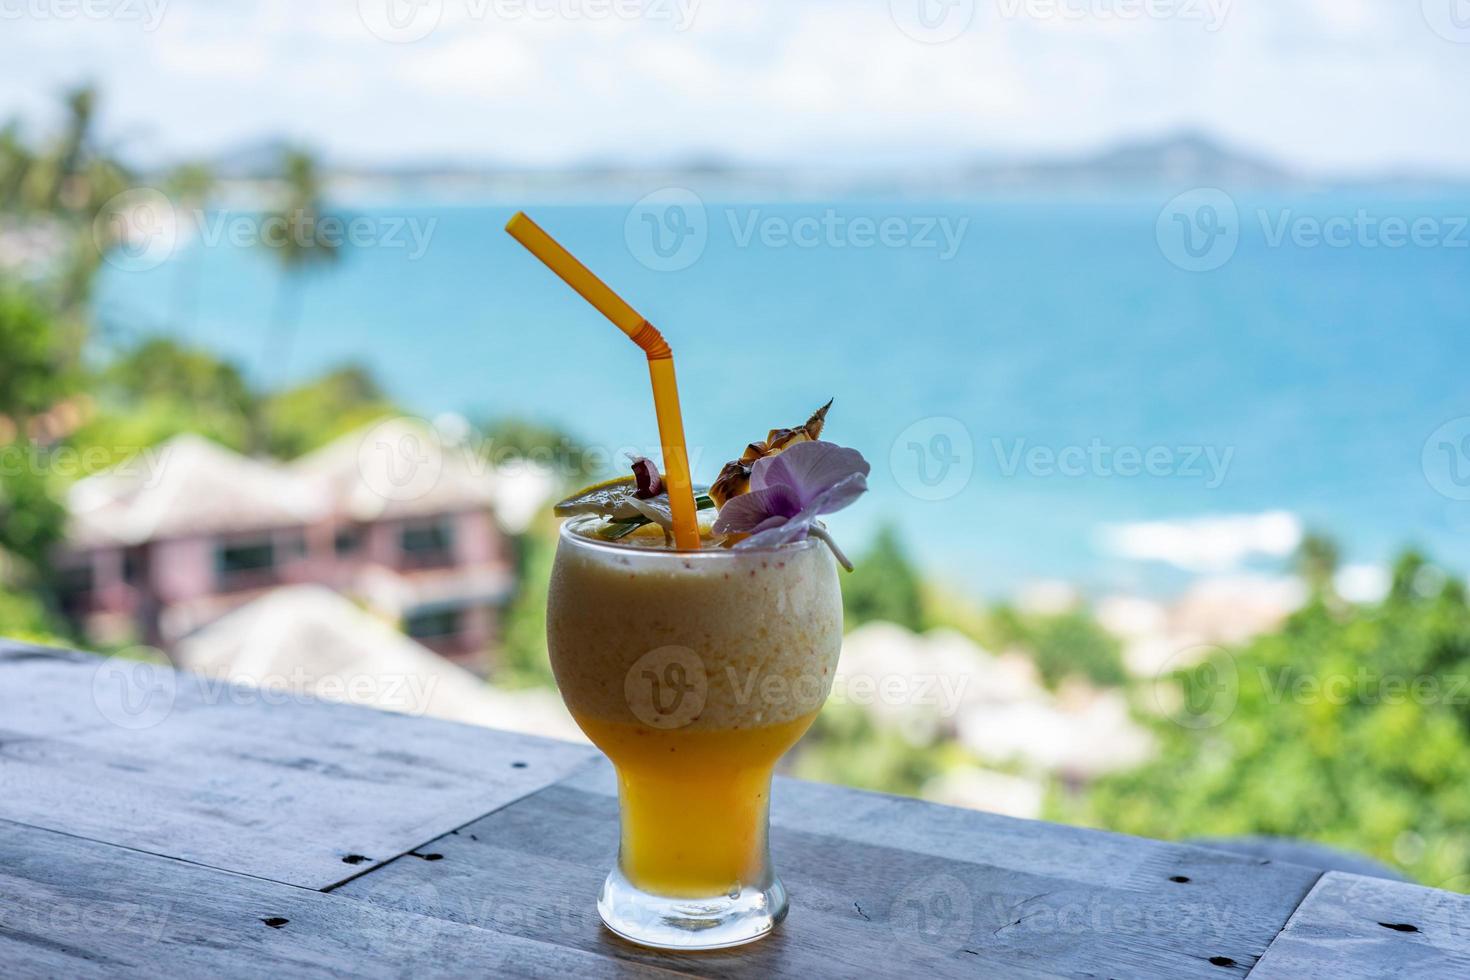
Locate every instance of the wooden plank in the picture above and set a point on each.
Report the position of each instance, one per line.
(1351, 926)
(948, 892)
(76, 908)
(305, 793)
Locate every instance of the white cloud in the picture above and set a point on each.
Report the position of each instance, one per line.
(1205, 544)
(1341, 83)
(1362, 583)
(501, 64)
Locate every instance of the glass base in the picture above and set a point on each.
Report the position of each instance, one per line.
(719, 922)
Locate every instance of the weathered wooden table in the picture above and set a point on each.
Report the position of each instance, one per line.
(157, 823)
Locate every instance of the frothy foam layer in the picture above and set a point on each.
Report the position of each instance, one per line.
(715, 640)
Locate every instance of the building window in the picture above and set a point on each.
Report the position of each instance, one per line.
(132, 566)
(433, 623)
(293, 545)
(74, 585)
(347, 541)
(245, 559)
(427, 543)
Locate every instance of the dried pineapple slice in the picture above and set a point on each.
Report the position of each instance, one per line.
(734, 478)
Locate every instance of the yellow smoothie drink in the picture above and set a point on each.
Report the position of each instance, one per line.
(694, 672)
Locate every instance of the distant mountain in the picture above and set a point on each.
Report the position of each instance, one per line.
(1179, 159)
(255, 160)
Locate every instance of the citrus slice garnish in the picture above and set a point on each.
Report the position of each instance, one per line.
(608, 498)
(612, 499)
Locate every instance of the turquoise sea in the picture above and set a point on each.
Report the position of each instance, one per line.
(1317, 374)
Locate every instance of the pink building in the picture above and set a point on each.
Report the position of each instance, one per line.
(173, 539)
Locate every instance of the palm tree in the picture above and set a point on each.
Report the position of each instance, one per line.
(297, 240)
(300, 245)
(1316, 562)
(188, 187)
(54, 181)
(16, 161)
(63, 188)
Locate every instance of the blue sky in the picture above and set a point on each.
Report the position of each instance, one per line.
(1323, 84)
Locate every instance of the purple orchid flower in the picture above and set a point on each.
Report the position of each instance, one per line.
(790, 490)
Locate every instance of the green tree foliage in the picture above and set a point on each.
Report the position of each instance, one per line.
(1069, 644)
(843, 746)
(310, 415)
(23, 617)
(884, 585)
(31, 519)
(524, 660)
(64, 186)
(162, 387)
(1316, 562)
(1349, 726)
(509, 440)
(158, 389)
(16, 160)
(32, 374)
(31, 524)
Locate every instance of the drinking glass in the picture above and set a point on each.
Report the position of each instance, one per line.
(694, 672)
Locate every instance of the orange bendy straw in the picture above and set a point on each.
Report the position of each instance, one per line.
(660, 366)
